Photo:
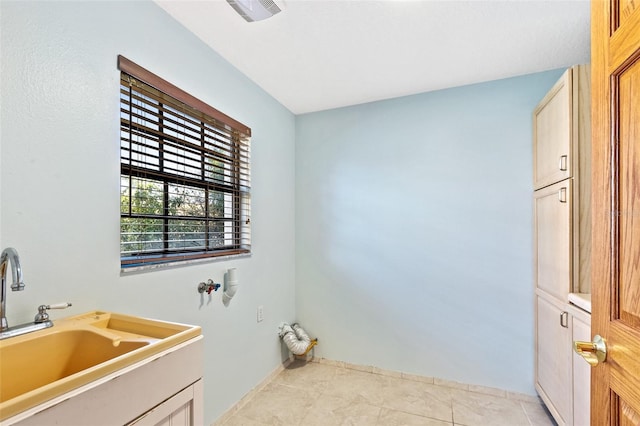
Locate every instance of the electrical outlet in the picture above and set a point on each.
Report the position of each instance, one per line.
(260, 313)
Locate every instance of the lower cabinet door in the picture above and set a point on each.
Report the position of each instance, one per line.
(554, 358)
(581, 371)
(182, 409)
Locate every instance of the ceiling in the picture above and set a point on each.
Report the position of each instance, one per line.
(322, 54)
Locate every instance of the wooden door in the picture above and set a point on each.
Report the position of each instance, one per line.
(615, 44)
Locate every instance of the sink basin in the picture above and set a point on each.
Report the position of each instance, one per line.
(37, 362)
(38, 366)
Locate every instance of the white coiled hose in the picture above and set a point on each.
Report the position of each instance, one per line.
(296, 339)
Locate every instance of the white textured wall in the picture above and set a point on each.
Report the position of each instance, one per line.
(414, 232)
(60, 181)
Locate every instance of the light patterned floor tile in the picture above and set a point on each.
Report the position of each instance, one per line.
(323, 394)
(523, 397)
(279, 404)
(307, 375)
(238, 420)
(537, 414)
(334, 411)
(476, 409)
(417, 398)
(350, 383)
(398, 418)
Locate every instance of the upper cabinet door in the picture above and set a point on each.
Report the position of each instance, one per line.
(552, 239)
(552, 128)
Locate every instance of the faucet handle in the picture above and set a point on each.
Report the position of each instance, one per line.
(64, 305)
(42, 314)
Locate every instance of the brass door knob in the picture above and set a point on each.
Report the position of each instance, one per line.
(593, 352)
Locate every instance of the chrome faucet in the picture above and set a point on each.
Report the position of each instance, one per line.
(42, 321)
(9, 255)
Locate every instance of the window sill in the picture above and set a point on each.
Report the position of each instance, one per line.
(179, 264)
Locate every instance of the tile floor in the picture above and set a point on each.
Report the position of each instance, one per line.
(325, 395)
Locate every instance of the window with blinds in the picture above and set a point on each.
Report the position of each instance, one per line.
(184, 174)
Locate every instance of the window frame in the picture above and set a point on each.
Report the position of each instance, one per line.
(234, 186)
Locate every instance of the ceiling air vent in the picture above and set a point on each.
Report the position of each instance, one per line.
(255, 10)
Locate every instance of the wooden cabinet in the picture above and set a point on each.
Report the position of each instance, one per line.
(164, 389)
(562, 377)
(553, 241)
(560, 123)
(562, 243)
(553, 358)
(552, 134)
(180, 410)
(563, 210)
(581, 330)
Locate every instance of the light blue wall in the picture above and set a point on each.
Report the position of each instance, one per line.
(414, 232)
(413, 216)
(59, 170)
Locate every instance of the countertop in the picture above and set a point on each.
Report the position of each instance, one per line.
(581, 300)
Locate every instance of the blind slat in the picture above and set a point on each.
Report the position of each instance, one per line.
(130, 68)
(158, 111)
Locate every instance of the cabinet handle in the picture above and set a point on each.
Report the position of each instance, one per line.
(562, 195)
(563, 163)
(564, 319)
